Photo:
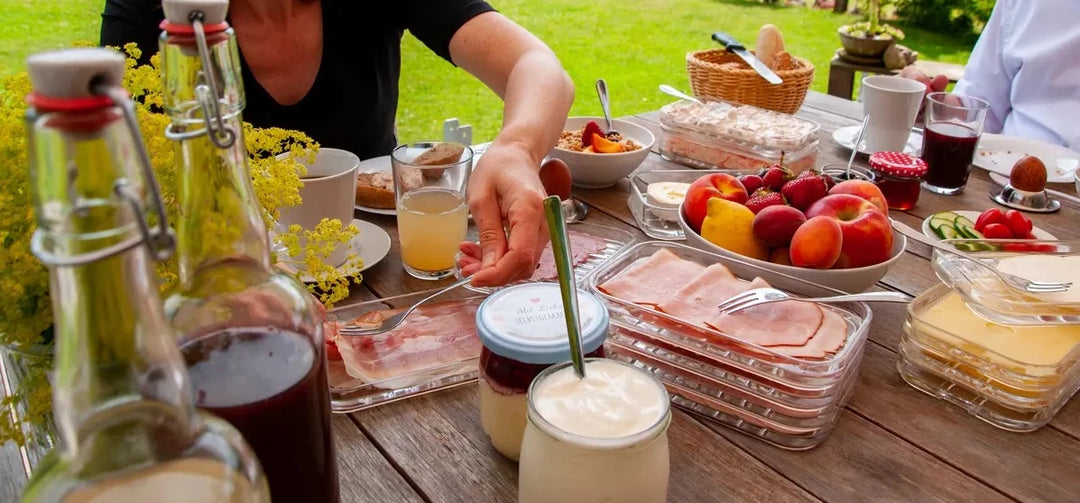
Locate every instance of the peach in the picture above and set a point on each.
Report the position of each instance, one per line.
(865, 190)
(817, 243)
(774, 225)
(867, 234)
(780, 256)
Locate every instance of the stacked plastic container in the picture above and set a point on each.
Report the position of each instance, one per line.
(790, 402)
(1008, 357)
(733, 136)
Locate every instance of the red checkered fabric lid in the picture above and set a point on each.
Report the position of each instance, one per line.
(898, 164)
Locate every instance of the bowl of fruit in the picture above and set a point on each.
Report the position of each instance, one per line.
(836, 235)
(599, 158)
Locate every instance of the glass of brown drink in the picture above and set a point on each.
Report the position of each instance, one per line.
(954, 123)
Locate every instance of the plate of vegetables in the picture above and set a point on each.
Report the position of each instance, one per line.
(990, 224)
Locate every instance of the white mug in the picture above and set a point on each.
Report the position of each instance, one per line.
(329, 191)
(892, 104)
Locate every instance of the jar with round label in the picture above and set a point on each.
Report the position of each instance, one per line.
(523, 330)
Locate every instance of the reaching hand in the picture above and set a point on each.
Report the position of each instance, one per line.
(933, 85)
(506, 199)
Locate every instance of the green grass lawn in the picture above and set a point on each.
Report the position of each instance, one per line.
(635, 46)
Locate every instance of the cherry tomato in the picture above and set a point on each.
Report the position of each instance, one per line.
(1017, 223)
(990, 216)
(996, 231)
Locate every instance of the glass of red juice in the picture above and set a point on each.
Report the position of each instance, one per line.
(954, 123)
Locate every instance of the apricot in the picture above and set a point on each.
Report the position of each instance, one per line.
(816, 243)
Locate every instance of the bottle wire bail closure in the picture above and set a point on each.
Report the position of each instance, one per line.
(221, 135)
(160, 240)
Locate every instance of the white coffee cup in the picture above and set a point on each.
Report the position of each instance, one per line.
(892, 104)
(329, 191)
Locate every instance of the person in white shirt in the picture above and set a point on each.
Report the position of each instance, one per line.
(1027, 65)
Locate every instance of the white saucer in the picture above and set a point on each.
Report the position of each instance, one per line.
(382, 164)
(973, 216)
(371, 244)
(998, 153)
(845, 137)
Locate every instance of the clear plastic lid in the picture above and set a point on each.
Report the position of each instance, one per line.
(732, 126)
(991, 298)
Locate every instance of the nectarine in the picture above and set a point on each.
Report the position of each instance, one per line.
(816, 244)
(721, 185)
(774, 225)
(865, 190)
(867, 233)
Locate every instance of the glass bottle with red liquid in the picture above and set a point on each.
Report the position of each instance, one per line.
(250, 334)
(129, 430)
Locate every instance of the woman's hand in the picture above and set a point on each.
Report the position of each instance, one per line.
(933, 85)
(506, 200)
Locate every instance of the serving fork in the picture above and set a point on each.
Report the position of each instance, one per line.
(395, 320)
(1017, 282)
(759, 296)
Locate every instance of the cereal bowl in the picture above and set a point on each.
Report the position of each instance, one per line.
(596, 170)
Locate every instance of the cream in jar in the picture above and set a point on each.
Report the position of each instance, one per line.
(601, 438)
(523, 330)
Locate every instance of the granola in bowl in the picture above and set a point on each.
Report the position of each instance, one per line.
(608, 144)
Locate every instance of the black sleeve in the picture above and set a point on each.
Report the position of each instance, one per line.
(125, 21)
(435, 22)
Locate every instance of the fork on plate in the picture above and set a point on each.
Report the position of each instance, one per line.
(1017, 282)
(759, 296)
(395, 320)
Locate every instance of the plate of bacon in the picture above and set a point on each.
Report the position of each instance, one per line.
(435, 348)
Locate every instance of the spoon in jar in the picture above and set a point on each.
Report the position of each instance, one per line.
(671, 91)
(856, 146)
(601, 91)
(560, 249)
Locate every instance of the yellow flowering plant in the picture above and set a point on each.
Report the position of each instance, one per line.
(25, 309)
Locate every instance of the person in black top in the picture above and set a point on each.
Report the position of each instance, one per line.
(330, 68)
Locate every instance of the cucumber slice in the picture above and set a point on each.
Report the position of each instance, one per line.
(964, 221)
(945, 217)
(946, 231)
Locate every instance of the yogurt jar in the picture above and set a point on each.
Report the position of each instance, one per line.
(523, 330)
(601, 438)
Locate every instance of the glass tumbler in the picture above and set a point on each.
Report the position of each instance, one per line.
(430, 180)
(954, 123)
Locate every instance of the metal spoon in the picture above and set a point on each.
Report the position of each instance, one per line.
(856, 145)
(671, 91)
(601, 91)
(560, 248)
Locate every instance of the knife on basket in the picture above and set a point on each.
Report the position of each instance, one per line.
(734, 46)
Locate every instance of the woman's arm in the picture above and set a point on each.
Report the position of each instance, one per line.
(505, 189)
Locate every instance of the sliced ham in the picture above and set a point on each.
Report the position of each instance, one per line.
(582, 248)
(696, 301)
(830, 336)
(653, 280)
(785, 323)
(432, 335)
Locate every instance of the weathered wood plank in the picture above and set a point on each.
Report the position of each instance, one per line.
(989, 454)
(862, 462)
(365, 475)
(12, 476)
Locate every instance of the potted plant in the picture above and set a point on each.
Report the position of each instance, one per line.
(25, 308)
(869, 39)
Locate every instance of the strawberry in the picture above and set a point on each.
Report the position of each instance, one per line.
(751, 183)
(804, 191)
(775, 177)
(763, 199)
(587, 134)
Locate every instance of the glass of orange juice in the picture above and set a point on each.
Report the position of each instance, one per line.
(430, 179)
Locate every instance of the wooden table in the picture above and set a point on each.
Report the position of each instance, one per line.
(892, 443)
(842, 73)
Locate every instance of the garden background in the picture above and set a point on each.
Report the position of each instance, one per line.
(634, 45)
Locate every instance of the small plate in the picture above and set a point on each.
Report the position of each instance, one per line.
(973, 216)
(372, 244)
(382, 164)
(998, 153)
(845, 137)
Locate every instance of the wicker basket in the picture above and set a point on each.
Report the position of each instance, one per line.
(743, 85)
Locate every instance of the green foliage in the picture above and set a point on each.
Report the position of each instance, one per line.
(962, 16)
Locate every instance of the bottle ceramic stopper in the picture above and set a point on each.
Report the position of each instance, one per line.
(179, 11)
(72, 73)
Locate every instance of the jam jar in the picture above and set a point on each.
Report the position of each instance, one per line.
(899, 176)
(523, 330)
